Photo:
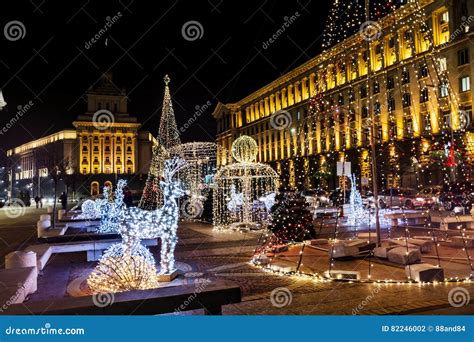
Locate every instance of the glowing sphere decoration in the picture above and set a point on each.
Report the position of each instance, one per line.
(245, 149)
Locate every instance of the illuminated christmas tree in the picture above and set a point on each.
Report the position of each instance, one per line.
(168, 136)
(357, 214)
(152, 197)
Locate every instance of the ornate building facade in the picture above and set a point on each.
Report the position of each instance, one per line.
(106, 143)
(413, 78)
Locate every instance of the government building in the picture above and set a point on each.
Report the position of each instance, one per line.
(105, 144)
(410, 79)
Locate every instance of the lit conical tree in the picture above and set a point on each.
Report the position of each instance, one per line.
(168, 137)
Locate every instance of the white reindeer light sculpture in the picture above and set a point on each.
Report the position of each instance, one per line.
(129, 265)
(162, 222)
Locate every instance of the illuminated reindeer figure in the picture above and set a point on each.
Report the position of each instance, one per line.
(162, 222)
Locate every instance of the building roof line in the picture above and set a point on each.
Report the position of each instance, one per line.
(353, 40)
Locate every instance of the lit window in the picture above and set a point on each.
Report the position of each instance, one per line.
(465, 84)
(444, 17)
(443, 90)
(443, 66)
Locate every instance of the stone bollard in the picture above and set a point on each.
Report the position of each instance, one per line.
(45, 217)
(42, 226)
(18, 259)
(61, 214)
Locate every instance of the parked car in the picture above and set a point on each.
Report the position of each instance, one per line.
(396, 197)
(427, 197)
(457, 195)
(317, 197)
(2, 202)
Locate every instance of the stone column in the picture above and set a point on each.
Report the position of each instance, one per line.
(272, 104)
(290, 95)
(267, 107)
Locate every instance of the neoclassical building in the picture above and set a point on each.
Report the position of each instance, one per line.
(106, 144)
(413, 78)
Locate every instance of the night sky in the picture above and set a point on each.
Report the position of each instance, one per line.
(52, 67)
